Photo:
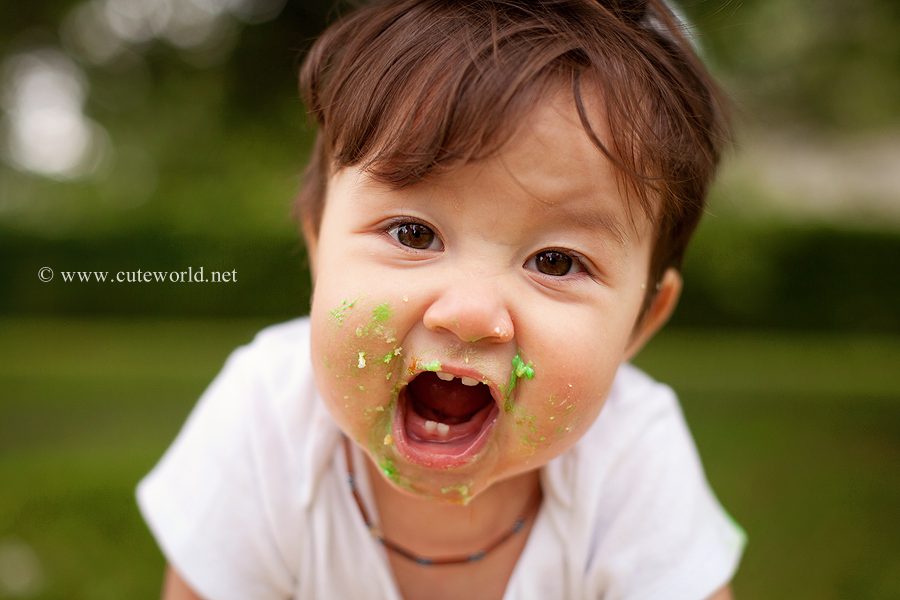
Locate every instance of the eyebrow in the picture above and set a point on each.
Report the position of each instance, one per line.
(596, 219)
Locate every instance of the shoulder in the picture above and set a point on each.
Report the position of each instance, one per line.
(258, 409)
(264, 402)
(634, 486)
(635, 391)
(273, 372)
(272, 349)
(639, 453)
(233, 488)
(291, 334)
(639, 437)
(638, 413)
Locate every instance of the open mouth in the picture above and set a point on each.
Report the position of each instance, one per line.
(444, 420)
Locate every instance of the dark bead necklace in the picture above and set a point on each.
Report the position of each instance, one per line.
(518, 526)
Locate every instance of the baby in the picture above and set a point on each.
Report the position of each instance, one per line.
(496, 208)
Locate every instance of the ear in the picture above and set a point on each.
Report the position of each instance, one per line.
(311, 239)
(661, 309)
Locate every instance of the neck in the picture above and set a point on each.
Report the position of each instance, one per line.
(433, 528)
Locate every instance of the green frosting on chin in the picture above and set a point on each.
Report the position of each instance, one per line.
(389, 470)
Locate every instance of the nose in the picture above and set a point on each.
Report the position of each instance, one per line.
(472, 311)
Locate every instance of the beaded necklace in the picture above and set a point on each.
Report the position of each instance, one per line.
(517, 527)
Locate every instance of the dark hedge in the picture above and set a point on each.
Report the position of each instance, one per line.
(803, 279)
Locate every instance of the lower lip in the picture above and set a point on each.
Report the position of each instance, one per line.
(440, 455)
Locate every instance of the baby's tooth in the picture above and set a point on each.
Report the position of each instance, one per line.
(431, 426)
(444, 376)
(469, 381)
(443, 429)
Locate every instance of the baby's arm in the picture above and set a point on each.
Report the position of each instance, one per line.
(174, 588)
(723, 594)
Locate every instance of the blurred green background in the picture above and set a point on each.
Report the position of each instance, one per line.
(166, 134)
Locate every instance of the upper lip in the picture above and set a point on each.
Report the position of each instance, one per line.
(458, 371)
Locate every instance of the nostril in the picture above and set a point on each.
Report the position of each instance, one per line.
(436, 328)
(470, 314)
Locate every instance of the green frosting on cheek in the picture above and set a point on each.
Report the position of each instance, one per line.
(340, 313)
(519, 369)
(382, 313)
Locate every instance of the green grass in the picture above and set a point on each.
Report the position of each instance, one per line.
(800, 435)
(86, 408)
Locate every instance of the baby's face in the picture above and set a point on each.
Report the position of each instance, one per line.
(467, 329)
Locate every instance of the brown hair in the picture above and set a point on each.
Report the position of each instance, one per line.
(404, 88)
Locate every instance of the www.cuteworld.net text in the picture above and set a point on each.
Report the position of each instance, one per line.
(140, 276)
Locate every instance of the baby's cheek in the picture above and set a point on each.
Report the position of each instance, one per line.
(558, 415)
(359, 354)
(566, 414)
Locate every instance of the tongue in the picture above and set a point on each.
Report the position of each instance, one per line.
(446, 401)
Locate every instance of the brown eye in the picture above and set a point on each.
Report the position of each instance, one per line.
(553, 263)
(416, 236)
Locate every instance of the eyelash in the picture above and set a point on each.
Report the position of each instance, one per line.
(399, 222)
(578, 261)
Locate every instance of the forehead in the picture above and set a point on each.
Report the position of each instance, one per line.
(554, 169)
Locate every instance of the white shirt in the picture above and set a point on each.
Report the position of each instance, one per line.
(251, 501)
